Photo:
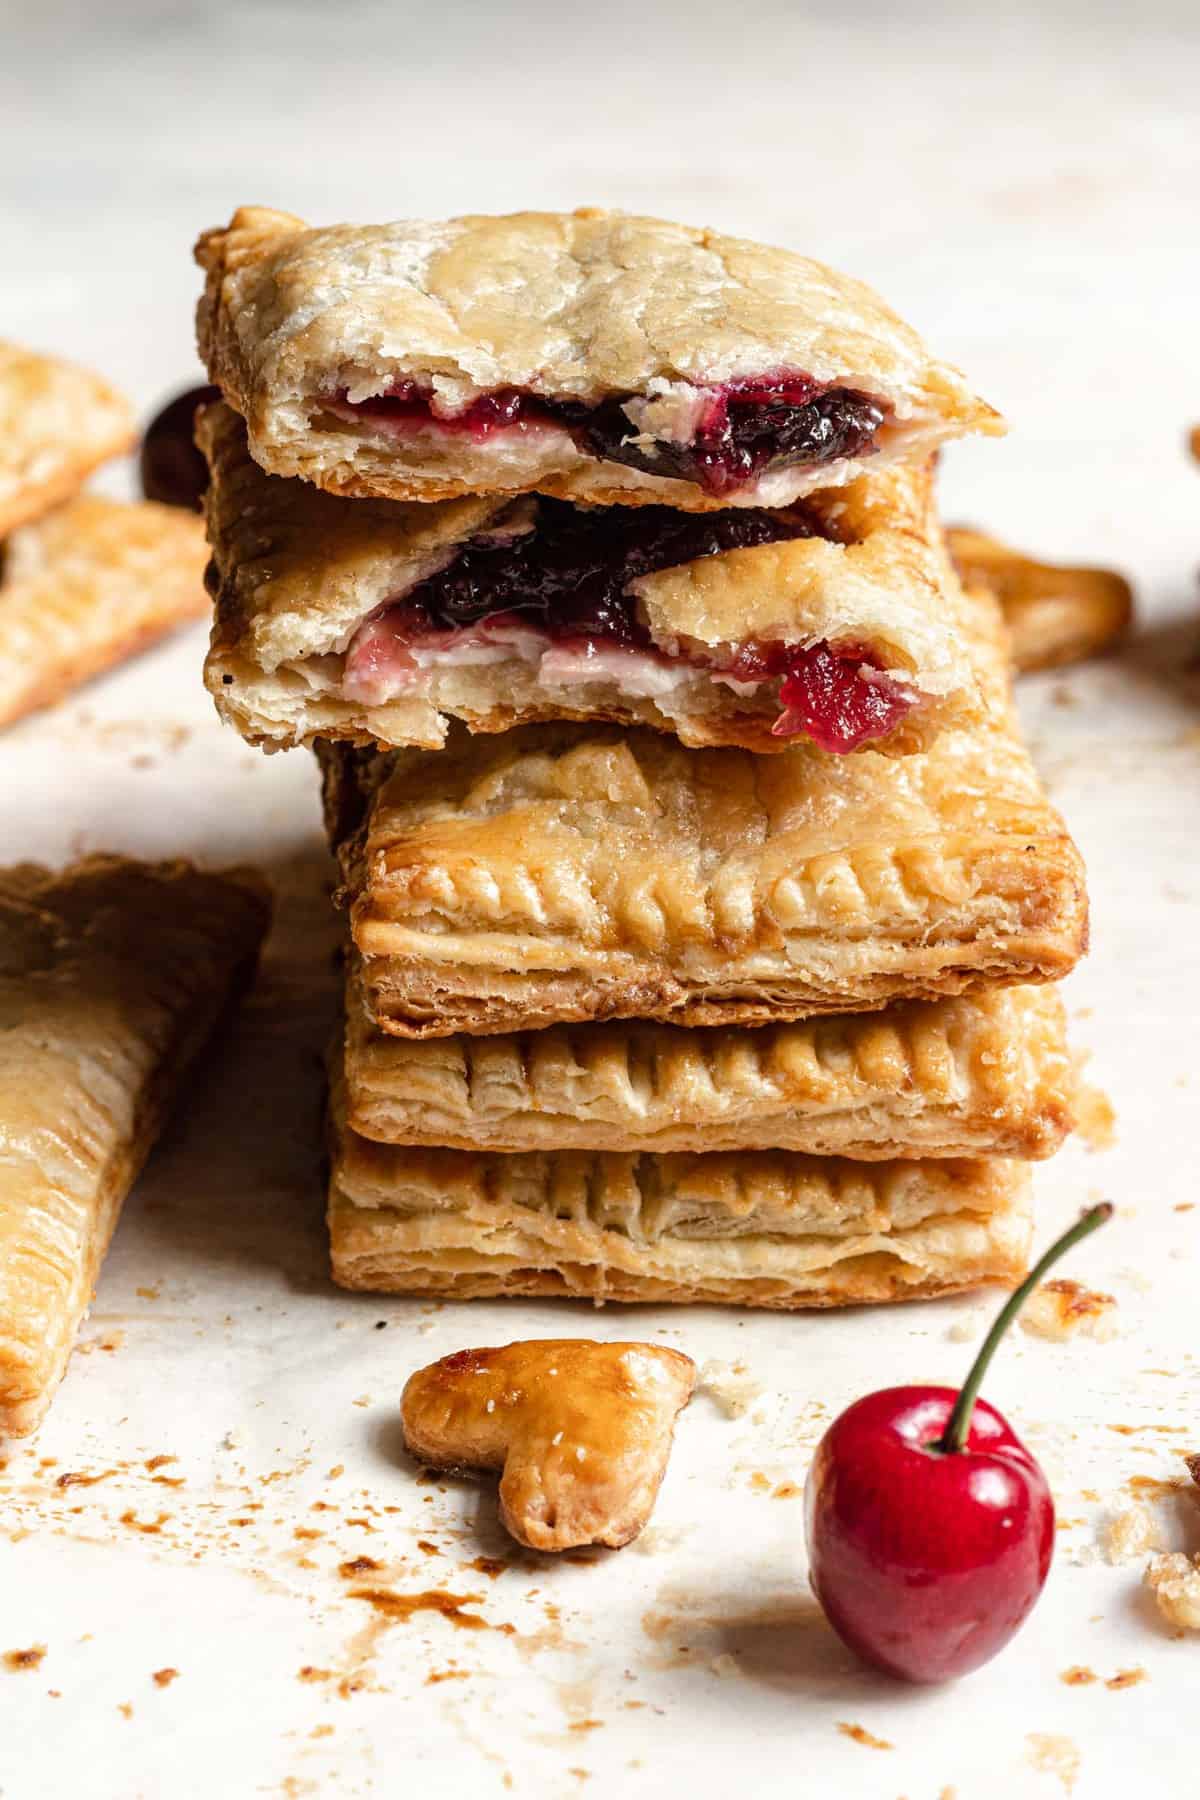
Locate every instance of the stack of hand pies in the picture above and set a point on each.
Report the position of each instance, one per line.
(703, 902)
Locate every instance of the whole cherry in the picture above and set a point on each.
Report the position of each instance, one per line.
(930, 1526)
(173, 470)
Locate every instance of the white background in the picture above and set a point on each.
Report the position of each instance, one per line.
(1023, 186)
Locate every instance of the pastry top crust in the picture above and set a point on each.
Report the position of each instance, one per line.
(567, 306)
(57, 423)
(582, 1431)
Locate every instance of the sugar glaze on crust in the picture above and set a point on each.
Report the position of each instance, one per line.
(586, 307)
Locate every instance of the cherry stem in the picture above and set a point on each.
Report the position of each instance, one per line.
(954, 1438)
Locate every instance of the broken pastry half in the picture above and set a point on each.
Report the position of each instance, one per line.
(835, 620)
(88, 586)
(1055, 615)
(57, 424)
(580, 1430)
(751, 1228)
(986, 1074)
(112, 977)
(563, 872)
(591, 355)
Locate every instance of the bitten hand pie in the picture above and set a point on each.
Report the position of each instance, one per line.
(112, 976)
(756, 1228)
(88, 586)
(566, 873)
(1054, 614)
(57, 424)
(985, 1075)
(582, 1432)
(836, 619)
(589, 355)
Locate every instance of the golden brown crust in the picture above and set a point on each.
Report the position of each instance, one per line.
(87, 587)
(582, 1431)
(57, 424)
(298, 571)
(1054, 614)
(583, 306)
(985, 1075)
(566, 873)
(112, 975)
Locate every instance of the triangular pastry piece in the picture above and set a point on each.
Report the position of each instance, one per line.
(57, 424)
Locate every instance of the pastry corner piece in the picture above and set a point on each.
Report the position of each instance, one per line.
(592, 355)
(837, 620)
(57, 424)
(88, 586)
(580, 1430)
(756, 1228)
(113, 974)
(562, 873)
(1055, 615)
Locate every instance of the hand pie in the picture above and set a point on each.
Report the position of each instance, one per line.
(112, 976)
(582, 1432)
(564, 872)
(590, 355)
(57, 423)
(1055, 615)
(754, 1228)
(836, 619)
(984, 1075)
(88, 586)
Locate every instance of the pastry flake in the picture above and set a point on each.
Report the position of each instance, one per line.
(1174, 1580)
(57, 424)
(1063, 1309)
(1054, 614)
(590, 355)
(984, 1075)
(581, 1430)
(88, 586)
(563, 872)
(762, 1228)
(835, 619)
(112, 976)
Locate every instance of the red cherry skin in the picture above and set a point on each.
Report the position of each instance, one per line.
(925, 1563)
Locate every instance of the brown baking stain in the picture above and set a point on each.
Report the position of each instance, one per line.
(1079, 1676)
(787, 1490)
(1126, 1678)
(437, 1675)
(861, 1735)
(24, 1659)
(358, 1565)
(401, 1607)
(164, 1677)
(321, 1731)
(1184, 1206)
(147, 1293)
(760, 1482)
(309, 1673)
(428, 1548)
(491, 1566)
(1149, 1487)
(71, 1478)
(125, 1709)
(306, 1532)
(151, 1527)
(1164, 1430)
(154, 1463)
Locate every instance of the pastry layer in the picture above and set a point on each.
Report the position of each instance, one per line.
(762, 1228)
(57, 423)
(984, 1075)
(335, 618)
(592, 355)
(1054, 614)
(565, 873)
(112, 976)
(88, 586)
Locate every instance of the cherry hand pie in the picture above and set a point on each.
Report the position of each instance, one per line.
(568, 872)
(57, 424)
(112, 977)
(836, 619)
(1054, 614)
(592, 356)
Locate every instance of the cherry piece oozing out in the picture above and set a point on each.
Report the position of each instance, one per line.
(172, 468)
(930, 1525)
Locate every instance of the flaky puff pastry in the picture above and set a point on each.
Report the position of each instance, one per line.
(753, 1228)
(589, 306)
(87, 587)
(567, 873)
(57, 424)
(984, 1075)
(1054, 614)
(580, 1430)
(297, 573)
(112, 976)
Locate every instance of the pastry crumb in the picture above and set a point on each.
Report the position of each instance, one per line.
(1052, 1754)
(1130, 1533)
(1174, 1580)
(1078, 1676)
(730, 1385)
(25, 1659)
(1127, 1678)
(1063, 1309)
(164, 1677)
(966, 1330)
(658, 1540)
(1095, 1118)
(861, 1735)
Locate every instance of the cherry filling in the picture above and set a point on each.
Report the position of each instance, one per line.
(747, 428)
(559, 588)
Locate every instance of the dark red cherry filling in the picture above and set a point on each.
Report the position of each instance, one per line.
(749, 427)
(839, 698)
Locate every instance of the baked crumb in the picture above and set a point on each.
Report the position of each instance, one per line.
(1095, 1119)
(1078, 1676)
(1063, 1309)
(1174, 1580)
(730, 1385)
(1126, 1678)
(164, 1677)
(861, 1735)
(1130, 1533)
(1052, 1754)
